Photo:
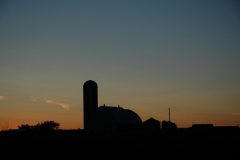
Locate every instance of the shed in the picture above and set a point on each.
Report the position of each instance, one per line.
(151, 124)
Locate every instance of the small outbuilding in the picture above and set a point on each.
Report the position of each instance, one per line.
(151, 124)
(168, 125)
(202, 126)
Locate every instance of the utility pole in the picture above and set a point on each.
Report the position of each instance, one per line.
(169, 114)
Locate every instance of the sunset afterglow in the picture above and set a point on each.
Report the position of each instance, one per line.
(146, 56)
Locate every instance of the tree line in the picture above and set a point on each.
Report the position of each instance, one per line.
(43, 126)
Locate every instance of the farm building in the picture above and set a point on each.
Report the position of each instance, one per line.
(151, 124)
(112, 119)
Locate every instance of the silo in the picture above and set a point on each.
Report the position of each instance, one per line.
(90, 100)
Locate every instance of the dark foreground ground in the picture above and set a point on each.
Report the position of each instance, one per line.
(178, 144)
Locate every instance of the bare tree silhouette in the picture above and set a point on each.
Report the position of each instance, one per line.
(5, 127)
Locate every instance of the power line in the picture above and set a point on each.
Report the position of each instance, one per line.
(155, 114)
(203, 113)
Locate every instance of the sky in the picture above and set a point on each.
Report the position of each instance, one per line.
(146, 56)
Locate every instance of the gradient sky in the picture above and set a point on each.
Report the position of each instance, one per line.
(146, 56)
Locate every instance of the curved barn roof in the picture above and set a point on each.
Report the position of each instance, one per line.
(123, 116)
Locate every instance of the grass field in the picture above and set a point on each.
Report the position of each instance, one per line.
(178, 144)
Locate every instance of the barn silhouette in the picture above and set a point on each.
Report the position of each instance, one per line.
(106, 118)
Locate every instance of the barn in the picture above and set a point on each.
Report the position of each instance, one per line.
(113, 119)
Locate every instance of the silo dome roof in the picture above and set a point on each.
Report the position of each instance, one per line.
(90, 82)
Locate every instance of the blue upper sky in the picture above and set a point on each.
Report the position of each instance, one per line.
(144, 55)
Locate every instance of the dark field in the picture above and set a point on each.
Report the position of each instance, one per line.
(177, 144)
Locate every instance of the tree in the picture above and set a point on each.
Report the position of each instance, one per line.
(46, 125)
(25, 126)
(6, 127)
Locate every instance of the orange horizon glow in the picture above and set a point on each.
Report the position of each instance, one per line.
(184, 122)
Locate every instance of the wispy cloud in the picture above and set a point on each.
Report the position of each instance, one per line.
(2, 97)
(63, 105)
